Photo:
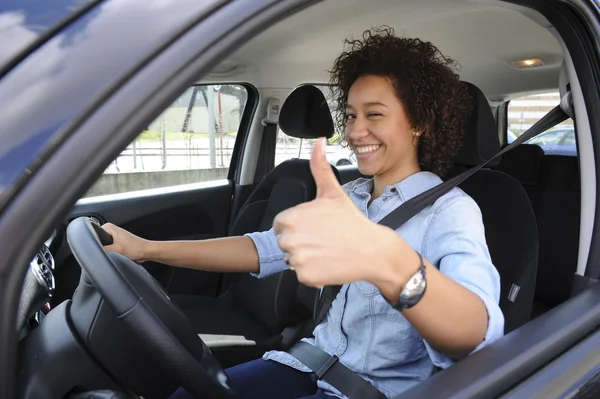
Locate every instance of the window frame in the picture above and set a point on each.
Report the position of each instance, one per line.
(35, 214)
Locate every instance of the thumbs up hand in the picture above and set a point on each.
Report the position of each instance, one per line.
(327, 183)
(329, 240)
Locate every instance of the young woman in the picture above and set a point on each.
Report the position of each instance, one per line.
(402, 110)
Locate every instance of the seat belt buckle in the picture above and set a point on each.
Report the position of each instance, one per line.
(326, 366)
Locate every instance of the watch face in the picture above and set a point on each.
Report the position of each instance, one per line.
(413, 291)
(414, 286)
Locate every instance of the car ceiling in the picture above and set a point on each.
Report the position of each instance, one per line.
(483, 36)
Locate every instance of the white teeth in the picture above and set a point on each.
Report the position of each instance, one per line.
(367, 148)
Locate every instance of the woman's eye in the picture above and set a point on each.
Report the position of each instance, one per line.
(373, 114)
(350, 117)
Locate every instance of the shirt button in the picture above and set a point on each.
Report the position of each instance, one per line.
(385, 198)
(393, 190)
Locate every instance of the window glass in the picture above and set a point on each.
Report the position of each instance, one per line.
(549, 138)
(191, 141)
(523, 112)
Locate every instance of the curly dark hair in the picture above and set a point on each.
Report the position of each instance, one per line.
(424, 80)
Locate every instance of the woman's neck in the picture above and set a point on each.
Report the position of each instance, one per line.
(381, 181)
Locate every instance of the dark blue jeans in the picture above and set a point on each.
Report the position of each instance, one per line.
(264, 379)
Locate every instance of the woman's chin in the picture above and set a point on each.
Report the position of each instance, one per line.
(366, 169)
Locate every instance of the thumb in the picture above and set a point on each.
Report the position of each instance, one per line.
(327, 183)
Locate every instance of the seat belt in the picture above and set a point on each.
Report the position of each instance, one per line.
(327, 367)
(266, 155)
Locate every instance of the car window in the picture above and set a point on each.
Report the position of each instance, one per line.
(523, 112)
(289, 147)
(548, 138)
(191, 141)
(569, 138)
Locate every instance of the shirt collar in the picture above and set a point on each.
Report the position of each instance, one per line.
(408, 188)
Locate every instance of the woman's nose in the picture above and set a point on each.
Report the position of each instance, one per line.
(357, 130)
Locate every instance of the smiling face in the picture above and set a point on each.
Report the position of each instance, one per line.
(379, 131)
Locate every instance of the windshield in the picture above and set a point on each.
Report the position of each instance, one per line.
(21, 22)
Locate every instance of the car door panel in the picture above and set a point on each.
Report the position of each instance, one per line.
(575, 374)
(167, 214)
(200, 212)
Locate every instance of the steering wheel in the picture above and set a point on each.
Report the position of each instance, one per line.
(138, 300)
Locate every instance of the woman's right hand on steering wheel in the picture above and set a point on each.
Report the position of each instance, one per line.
(126, 243)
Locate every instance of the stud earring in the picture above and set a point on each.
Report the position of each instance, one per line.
(416, 133)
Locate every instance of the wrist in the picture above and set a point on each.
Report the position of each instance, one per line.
(148, 250)
(397, 263)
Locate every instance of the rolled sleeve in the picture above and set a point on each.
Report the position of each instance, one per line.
(456, 244)
(270, 256)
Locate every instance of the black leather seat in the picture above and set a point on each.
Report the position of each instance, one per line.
(252, 316)
(553, 185)
(524, 164)
(510, 225)
(559, 223)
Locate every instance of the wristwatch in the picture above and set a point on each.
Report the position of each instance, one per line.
(414, 289)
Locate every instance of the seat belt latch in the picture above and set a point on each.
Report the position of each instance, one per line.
(273, 107)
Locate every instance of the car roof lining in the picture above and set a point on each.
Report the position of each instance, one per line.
(302, 47)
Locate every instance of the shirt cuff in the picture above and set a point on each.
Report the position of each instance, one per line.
(495, 329)
(270, 256)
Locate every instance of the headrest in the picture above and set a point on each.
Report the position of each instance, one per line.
(523, 163)
(305, 114)
(481, 140)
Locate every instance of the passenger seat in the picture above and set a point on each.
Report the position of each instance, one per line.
(251, 317)
(523, 163)
(553, 185)
(508, 216)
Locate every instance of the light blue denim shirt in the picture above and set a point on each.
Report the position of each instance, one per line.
(362, 329)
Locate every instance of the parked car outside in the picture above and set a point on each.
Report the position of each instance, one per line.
(557, 141)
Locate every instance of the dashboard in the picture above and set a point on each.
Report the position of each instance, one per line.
(38, 288)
